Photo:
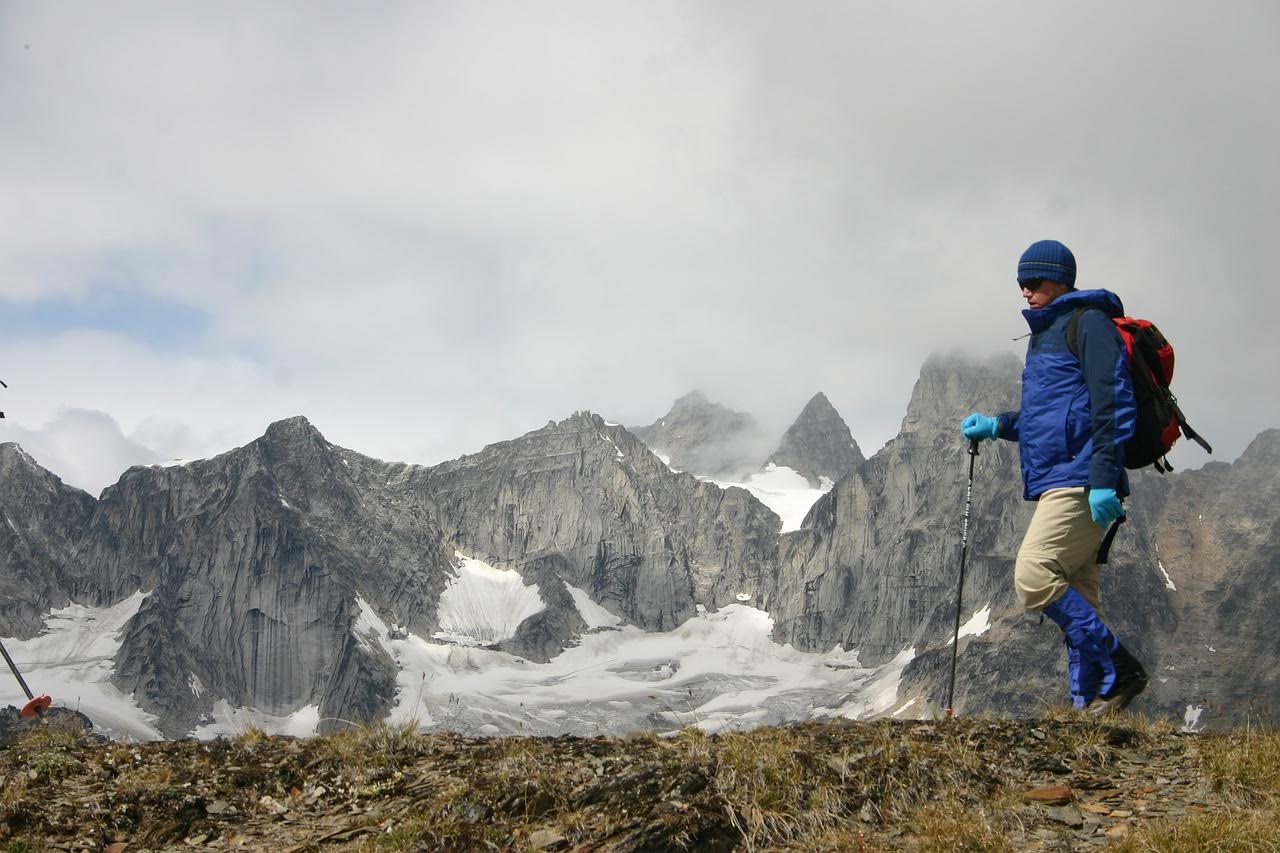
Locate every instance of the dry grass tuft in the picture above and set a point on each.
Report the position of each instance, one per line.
(1244, 764)
(1225, 832)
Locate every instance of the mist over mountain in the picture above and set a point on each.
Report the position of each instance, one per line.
(569, 581)
(706, 438)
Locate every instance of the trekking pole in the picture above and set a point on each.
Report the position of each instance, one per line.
(964, 554)
(36, 705)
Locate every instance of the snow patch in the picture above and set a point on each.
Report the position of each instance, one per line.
(978, 624)
(228, 722)
(73, 660)
(1191, 719)
(195, 685)
(1168, 581)
(592, 613)
(880, 692)
(716, 671)
(782, 490)
(483, 605)
(666, 460)
(617, 450)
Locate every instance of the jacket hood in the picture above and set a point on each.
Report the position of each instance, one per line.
(1040, 319)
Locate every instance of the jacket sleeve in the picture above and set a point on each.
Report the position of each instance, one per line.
(1111, 401)
(1008, 425)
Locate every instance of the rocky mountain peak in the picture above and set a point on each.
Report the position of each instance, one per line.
(704, 437)
(819, 444)
(953, 385)
(14, 461)
(1264, 450)
(694, 400)
(294, 430)
(295, 444)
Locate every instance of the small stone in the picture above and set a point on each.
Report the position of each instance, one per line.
(867, 814)
(1120, 830)
(117, 847)
(218, 807)
(1121, 813)
(1038, 735)
(1100, 784)
(1068, 815)
(540, 839)
(1054, 795)
(1096, 808)
(272, 805)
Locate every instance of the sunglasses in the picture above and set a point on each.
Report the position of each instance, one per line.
(1031, 284)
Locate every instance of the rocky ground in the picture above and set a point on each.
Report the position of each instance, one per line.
(1058, 783)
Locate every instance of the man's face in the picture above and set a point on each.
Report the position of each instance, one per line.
(1039, 292)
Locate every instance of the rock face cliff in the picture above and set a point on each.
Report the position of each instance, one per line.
(819, 444)
(587, 502)
(706, 438)
(260, 564)
(874, 568)
(254, 562)
(43, 519)
(1208, 542)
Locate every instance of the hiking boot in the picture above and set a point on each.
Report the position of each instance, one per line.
(1131, 679)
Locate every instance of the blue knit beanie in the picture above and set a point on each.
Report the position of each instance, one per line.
(1048, 259)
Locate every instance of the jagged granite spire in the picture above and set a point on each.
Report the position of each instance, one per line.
(819, 444)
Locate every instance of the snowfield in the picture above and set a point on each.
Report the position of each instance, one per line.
(782, 490)
(72, 660)
(717, 671)
(484, 605)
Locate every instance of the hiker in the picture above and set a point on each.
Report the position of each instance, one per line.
(1077, 413)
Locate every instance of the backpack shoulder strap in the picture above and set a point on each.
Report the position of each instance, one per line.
(1073, 328)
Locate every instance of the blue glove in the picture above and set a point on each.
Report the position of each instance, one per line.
(1105, 506)
(980, 426)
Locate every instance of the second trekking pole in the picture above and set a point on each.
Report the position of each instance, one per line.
(964, 555)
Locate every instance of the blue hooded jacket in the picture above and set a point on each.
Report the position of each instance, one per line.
(1077, 413)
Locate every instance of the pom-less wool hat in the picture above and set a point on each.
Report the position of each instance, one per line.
(1048, 259)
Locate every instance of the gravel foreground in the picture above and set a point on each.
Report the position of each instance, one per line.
(1057, 783)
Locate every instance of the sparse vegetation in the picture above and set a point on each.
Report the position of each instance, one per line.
(970, 784)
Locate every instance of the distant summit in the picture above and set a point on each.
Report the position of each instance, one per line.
(705, 438)
(819, 444)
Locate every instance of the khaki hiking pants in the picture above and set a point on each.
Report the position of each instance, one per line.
(1059, 550)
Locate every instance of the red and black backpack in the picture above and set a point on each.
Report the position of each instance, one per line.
(1160, 421)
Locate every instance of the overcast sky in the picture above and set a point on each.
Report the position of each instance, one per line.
(430, 226)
